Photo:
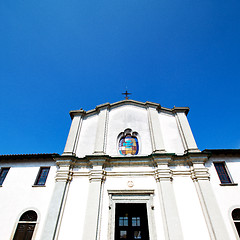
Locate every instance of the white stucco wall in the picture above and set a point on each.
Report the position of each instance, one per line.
(17, 195)
(189, 209)
(170, 132)
(136, 118)
(228, 197)
(87, 136)
(132, 117)
(72, 224)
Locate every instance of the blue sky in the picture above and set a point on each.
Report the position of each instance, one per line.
(57, 56)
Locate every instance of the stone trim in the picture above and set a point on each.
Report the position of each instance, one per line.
(151, 173)
(228, 184)
(131, 196)
(199, 173)
(97, 175)
(129, 173)
(80, 112)
(128, 102)
(18, 218)
(198, 170)
(150, 160)
(64, 171)
(131, 192)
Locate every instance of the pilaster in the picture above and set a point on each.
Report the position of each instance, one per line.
(186, 134)
(155, 130)
(55, 209)
(100, 141)
(74, 133)
(92, 218)
(201, 178)
(163, 176)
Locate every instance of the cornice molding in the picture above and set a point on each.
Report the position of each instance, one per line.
(150, 160)
(145, 173)
(180, 109)
(197, 157)
(130, 173)
(80, 112)
(147, 104)
(65, 161)
(131, 191)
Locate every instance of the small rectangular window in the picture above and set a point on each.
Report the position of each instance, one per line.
(3, 174)
(123, 234)
(42, 176)
(123, 221)
(136, 221)
(222, 172)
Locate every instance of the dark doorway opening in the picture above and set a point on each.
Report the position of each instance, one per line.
(131, 221)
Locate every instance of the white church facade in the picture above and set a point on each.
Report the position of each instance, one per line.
(129, 170)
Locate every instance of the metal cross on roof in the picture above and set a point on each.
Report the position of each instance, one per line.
(126, 93)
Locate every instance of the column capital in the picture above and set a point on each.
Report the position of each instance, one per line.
(198, 169)
(163, 172)
(64, 173)
(199, 172)
(97, 173)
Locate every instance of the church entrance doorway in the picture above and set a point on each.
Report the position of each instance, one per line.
(131, 221)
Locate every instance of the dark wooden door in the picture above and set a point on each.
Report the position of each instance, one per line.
(24, 231)
(131, 221)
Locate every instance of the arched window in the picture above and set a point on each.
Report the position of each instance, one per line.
(128, 143)
(236, 219)
(26, 226)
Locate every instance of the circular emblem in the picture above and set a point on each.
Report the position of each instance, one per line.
(130, 184)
